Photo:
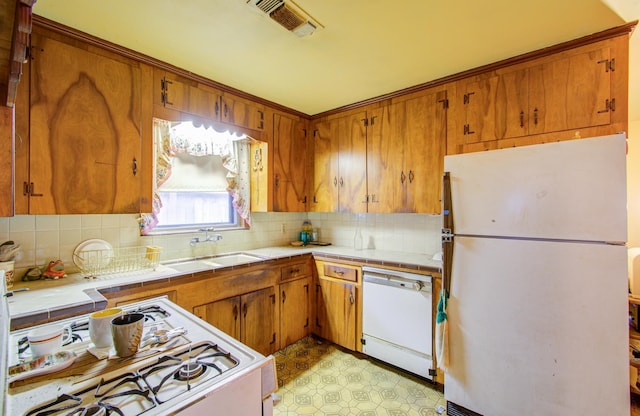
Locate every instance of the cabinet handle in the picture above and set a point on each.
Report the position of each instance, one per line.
(373, 120)
(273, 339)
(294, 271)
(315, 200)
(277, 180)
(411, 176)
(304, 200)
(341, 182)
(402, 177)
(521, 118)
(335, 181)
(365, 121)
(351, 299)
(226, 110)
(135, 166)
(217, 109)
(284, 297)
(535, 116)
(244, 310)
(306, 288)
(235, 312)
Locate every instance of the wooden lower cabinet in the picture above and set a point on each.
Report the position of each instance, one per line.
(250, 318)
(336, 312)
(294, 311)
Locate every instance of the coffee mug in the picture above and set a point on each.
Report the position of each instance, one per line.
(100, 327)
(48, 339)
(126, 331)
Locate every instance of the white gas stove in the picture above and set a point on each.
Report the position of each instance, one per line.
(201, 372)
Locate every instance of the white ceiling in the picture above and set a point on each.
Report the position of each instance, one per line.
(367, 47)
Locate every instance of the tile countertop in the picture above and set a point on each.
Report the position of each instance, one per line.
(48, 300)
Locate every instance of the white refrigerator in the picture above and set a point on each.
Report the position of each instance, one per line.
(536, 267)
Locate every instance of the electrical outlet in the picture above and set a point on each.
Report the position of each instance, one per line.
(283, 228)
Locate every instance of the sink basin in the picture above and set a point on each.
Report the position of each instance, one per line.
(231, 259)
(224, 260)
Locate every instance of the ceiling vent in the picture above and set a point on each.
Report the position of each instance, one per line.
(289, 15)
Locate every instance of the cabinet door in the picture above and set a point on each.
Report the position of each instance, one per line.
(289, 164)
(223, 314)
(352, 163)
(571, 93)
(425, 136)
(496, 107)
(85, 141)
(385, 138)
(336, 312)
(294, 311)
(258, 320)
(242, 113)
(325, 166)
(174, 92)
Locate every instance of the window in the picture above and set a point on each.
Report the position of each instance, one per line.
(202, 179)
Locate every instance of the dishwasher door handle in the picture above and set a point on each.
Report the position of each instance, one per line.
(409, 284)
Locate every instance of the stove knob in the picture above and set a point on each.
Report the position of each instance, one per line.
(418, 285)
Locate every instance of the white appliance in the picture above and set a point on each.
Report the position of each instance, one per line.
(396, 319)
(201, 372)
(537, 315)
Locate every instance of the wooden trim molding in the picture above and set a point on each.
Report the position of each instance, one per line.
(572, 44)
(45, 23)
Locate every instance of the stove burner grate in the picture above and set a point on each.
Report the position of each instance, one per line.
(113, 397)
(174, 374)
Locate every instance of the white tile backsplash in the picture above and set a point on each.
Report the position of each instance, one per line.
(50, 237)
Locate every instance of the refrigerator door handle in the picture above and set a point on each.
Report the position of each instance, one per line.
(448, 232)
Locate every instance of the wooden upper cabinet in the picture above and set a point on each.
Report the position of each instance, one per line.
(289, 164)
(582, 92)
(423, 150)
(495, 106)
(324, 192)
(240, 112)
(385, 158)
(181, 94)
(85, 130)
(571, 93)
(405, 151)
(340, 164)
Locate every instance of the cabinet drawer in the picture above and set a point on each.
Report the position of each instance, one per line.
(294, 271)
(341, 272)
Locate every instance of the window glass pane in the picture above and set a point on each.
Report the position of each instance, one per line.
(193, 209)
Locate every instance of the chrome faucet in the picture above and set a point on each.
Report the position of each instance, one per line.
(207, 237)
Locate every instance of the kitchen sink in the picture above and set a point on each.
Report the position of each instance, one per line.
(223, 260)
(232, 259)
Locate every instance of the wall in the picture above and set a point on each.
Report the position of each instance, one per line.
(50, 237)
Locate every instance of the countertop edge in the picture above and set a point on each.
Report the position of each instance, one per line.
(95, 300)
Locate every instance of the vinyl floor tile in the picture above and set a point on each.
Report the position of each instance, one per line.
(319, 378)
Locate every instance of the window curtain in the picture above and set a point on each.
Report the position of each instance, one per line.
(234, 151)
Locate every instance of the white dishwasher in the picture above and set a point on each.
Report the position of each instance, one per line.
(397, 319)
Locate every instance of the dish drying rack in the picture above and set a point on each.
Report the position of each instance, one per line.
(93, 263)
